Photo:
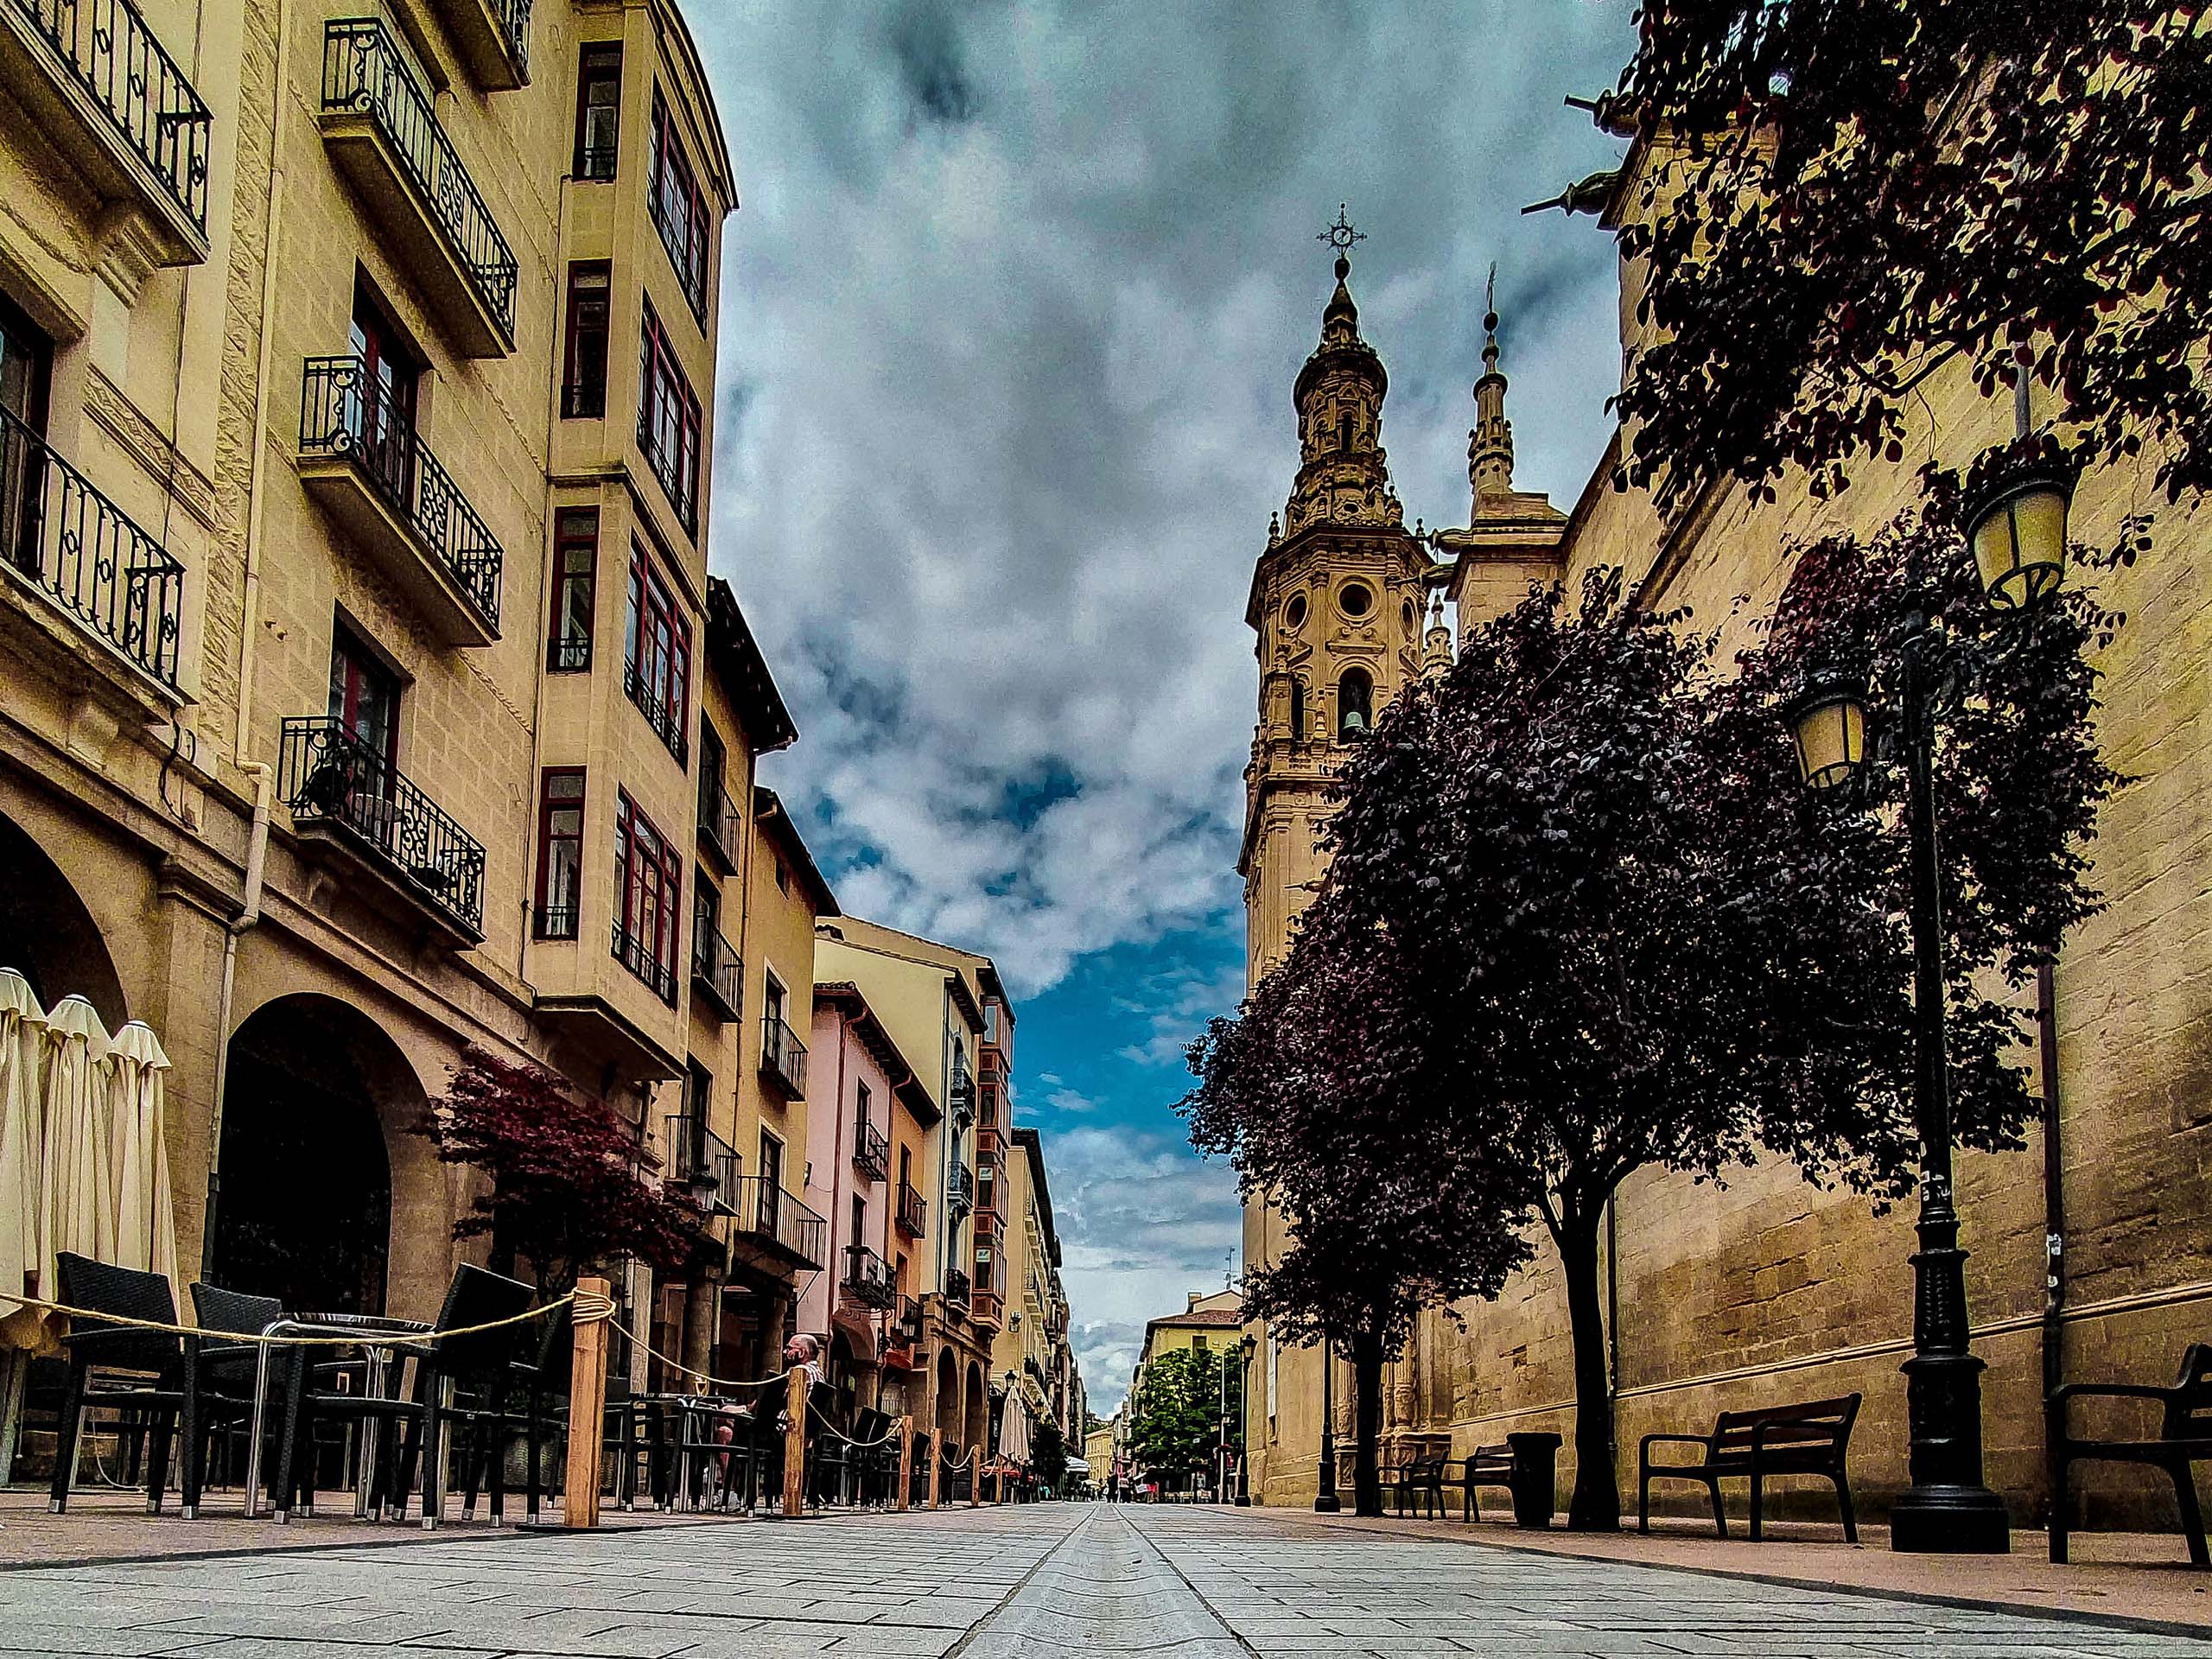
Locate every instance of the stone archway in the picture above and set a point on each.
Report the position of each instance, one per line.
(977, 1431)
(318, 1098)
(947, 1401)
(48, 936)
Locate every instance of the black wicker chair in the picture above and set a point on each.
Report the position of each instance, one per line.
(167, 1389)
(233, 1368)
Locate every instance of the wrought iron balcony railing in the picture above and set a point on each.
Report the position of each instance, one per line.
(770, 1216)
(104, 46)
(346, 411)
(702, 1161)
(962, 1091)
(956, 1287)
(871, 1150)
(716, 970)
(912, 1216)
(782, 1057)
(363, 70)
(636, 953)
(329, 776)
(720, 825)
(867, 1277)
(665, 718)
(514, 22)
(89, 556)
(959, 1189)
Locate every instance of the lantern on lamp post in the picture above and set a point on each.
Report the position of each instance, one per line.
(2016, 523)
(1828, 723)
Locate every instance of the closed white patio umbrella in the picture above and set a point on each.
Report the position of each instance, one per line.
(1014, 1429)
(22, 1115)
(77, 1189)
(145, 1225)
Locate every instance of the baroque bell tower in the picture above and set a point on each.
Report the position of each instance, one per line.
(1339, 600)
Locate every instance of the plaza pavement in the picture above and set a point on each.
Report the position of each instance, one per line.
(994, 1584)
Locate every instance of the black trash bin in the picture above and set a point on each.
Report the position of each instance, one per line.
(1535, 1456)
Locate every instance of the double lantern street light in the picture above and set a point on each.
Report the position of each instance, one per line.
(2017, 528)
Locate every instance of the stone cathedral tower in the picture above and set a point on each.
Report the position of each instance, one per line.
(1338, 601)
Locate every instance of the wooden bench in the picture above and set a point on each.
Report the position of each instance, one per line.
(1419, 1481)
(2184, 1438)
(1810, 1438)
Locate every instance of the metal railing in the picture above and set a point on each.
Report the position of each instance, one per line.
(871, 1149)
(956, 1287)
(86, 554)
(768, 1214)
(364, 70)
(701, 1159)
(345, 411)
(782, 1057)
(667, 722)
(913, 1214)
(867, 1277)
(327, 775)
(667, 460)
(514, 21)
(583, 400)
(714, 964)
(962, 1091)
(959, 1189)
(567, 653)
(105, 47)
(720, 822)
(557, 921)
(595, 162)
(636, 954)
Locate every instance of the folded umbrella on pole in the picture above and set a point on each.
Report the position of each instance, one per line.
(145, 1224)
(22, 1117)
(77, 1185)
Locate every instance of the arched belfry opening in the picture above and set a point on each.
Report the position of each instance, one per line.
(1355, 704)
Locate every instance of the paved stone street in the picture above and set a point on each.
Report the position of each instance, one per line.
(994, 1584)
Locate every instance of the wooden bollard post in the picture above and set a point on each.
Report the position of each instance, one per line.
(587, 1406)
(998, 1487)
(905, 1464)
(975, 1478)
(794, 1444)
(937, 1474)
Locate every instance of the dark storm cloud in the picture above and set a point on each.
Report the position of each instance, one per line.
(1016, 297)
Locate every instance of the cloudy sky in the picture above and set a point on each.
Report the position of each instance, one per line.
(1011, 313)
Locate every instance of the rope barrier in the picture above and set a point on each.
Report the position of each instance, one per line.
(851, 1443)
(679, 1365)
(327, 1336)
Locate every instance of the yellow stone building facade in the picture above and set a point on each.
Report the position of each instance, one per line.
(357, 367)
(1771, 1290)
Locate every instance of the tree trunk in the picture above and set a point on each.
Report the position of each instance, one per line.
(1366, 1411)
(1596, 1506)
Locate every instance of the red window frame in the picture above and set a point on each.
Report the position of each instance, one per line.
(668, 420)
(599, 66)
(649, 884)
(587, 337)
(575, 566)
(679, 209)
(552, 805)
(659, 650)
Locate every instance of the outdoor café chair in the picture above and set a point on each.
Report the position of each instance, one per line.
(476, 1364)
(158, 1377)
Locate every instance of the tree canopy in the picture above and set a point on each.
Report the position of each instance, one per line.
(566, 1190)
(1859, 193)
(1175, 1415)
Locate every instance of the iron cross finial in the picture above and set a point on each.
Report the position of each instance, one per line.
(1340, 235)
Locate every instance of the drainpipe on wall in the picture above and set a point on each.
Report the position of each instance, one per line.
(2054, 1227)
(263, 776)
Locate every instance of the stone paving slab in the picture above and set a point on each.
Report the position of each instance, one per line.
(1030, 1583)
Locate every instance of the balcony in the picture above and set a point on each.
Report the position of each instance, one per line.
(961, 1093)
(782, 1058)
(664, 717)
(716, 973)
(492, 37)
(92, 569)
(721, 827)
(362, 457)
(871, 1150)
(912, 1215)
(336, 784)
(636, 952)
(779, 1223)
(381, 131)
(92, 80)
(903, 1337)
(867, 1278)
(702, 1160)
(959, 1190)
(956, 1289)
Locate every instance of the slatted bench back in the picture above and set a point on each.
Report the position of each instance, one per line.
(1809, 1424)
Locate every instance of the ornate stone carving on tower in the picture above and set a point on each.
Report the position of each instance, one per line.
(1514, 538)
(1339, 598)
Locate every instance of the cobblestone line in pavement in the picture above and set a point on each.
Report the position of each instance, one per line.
(1288, 1589)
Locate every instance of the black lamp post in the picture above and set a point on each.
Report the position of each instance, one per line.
(2018, 529)
(1244, 1349)
(1324, 1497)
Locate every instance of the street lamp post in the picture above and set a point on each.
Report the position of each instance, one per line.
(1324, 1498)
(1244, 1348)
(2019, 539)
